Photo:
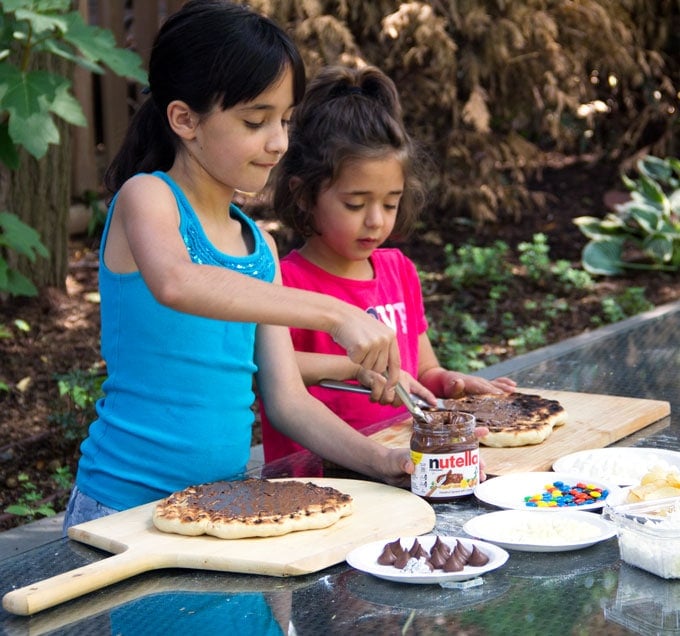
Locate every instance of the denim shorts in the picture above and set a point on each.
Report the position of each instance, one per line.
(82, 508)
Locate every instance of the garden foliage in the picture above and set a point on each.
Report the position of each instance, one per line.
(32, 97)
(489, 87)
(644, 232)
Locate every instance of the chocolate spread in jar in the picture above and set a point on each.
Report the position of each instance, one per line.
(446, 456)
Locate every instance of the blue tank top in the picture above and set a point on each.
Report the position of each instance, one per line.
(177, 401)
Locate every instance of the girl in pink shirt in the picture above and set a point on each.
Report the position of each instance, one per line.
(349, 182)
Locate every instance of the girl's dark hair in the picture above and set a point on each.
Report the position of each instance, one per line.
(210, 52)
(347, 114)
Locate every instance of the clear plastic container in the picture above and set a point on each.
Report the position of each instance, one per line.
(649, 535)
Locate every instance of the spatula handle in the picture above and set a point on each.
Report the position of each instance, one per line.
(64, 587)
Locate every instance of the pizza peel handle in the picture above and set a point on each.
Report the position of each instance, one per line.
(69, 585)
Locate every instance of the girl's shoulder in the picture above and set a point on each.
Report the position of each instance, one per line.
(145, 185)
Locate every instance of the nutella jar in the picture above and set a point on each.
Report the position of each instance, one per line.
(446, 456)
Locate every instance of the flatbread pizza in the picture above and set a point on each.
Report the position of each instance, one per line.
(513, 419)
(251, 508)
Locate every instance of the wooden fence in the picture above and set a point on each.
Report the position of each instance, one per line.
(109, 101)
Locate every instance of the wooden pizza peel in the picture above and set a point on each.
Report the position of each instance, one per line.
(379, 512)
(593, 421)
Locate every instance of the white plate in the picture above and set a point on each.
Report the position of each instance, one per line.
(509, 491)
(623, 466)
(365, 558)
(526, 531)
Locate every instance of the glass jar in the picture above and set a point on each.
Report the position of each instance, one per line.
(446, 456)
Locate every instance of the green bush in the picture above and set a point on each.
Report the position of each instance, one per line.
(644, 232)
(31, 98)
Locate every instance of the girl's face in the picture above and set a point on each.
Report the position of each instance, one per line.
(355, 215)
(239, 146)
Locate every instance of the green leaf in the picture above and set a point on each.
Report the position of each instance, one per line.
(659, 248)
(46, 510)
(646, 217)
(22, 325)
(35, 133)
(21, 237)
(4, 271)
(628, 182)
(27, 101)
(10, 78)
(651, 190)
(67, 107)
(10, 6)
(42, 23)
(32, 91)
(18, 285)
(674, 201)
(596, 229)
(655, 168)
(19, 510)
(60, 49)
(99, 45)
(603, 257)
(8, 150)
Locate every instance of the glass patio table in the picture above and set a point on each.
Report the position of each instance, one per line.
(574, 592)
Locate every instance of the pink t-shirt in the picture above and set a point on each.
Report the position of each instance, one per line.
(394, 296)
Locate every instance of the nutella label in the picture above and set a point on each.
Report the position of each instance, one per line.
(445, 475)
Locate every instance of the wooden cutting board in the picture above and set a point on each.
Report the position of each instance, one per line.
(379, 512)
(593, 421)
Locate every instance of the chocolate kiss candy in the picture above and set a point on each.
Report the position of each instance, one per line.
(396, 547)
(477, 557)
(441, 547)
(387, 557)
(462, 552)
(401, 560)
(437, 559)
(454, 563)
(418, 551)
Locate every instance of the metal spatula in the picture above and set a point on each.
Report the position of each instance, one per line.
(415, 401)
(412, 407)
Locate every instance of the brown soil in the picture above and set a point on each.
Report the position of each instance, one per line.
(63, 329)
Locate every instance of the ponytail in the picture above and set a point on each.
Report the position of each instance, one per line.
(148, 145)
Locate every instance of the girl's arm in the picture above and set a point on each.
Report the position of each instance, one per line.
(297, 414)
(143, 236)
(450, 384)
(315, 367)
(300, 416)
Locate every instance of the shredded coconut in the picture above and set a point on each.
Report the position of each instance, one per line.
(619, 468)
(649, 537)
(417, 566)
(546, 528)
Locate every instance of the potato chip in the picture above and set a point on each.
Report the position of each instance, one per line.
(657, 483)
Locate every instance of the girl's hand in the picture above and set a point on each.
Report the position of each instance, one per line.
(383, 395)
(396, 468)
(369, 343)
(455, 385)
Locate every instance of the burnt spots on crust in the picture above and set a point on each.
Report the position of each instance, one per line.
(251, 507)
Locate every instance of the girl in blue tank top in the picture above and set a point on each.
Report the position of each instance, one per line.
(191, 302)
